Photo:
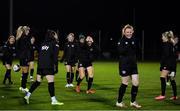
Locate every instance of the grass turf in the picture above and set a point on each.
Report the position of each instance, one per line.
(106, 83)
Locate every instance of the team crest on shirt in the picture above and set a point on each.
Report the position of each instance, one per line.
(91, 49)
(132, 42)
(57, 45)
(123, 72)
(45, 47)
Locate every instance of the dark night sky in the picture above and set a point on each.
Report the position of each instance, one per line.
(90, 16)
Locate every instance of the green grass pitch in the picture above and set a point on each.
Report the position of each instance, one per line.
(106, 83)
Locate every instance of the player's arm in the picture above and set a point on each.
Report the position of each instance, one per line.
(56, 52)
(64, 54)
(166, 51)
(19, 32)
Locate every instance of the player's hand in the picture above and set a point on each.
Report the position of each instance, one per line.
(89, 39)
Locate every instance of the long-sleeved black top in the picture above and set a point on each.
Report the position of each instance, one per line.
(48, 54)
(127, 51)
(87, 53)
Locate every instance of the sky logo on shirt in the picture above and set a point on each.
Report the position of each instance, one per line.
(45, 47)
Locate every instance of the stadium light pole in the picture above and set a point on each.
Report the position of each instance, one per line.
(10, 16)
(134, 17)
(99, 33)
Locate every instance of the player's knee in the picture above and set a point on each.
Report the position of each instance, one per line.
(25, 70)
(162, 76)
(125, 83)
(135, 83)
(91, 75)
(39, 80)
(81, 76)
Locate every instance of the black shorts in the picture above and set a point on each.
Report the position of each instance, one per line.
(24, 62)
(128, 71)
(7, 61)
(44, 72)
(71, 63)
(84, 64)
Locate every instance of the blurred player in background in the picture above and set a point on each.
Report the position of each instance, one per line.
(81, 41)
(168, 64)
(86, 54)
(8, 54)
(70, 59)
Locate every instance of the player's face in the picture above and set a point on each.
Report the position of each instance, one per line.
(12, 40)
(164, 39)
(89, 40)
(26, 31)
(32, 40)
(70, 38)
(128, 32)
(82, 40)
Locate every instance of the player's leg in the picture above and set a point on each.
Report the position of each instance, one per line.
(72, 75)
(122, 90)
(77, 74)
(163, 76)
(51, 89)
(8, 73)
(168, 80)
(31, 68)
(90, 72)
(33, 87)
(173, 84)
(68, 77)
(81, 76)
(134, 90)
(86, 75)
(25, 69)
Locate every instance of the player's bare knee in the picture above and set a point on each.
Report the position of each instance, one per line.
(91, 75)
(135, 82)
(81, 75)
(39, 79)
(125, 82)
(50, 78)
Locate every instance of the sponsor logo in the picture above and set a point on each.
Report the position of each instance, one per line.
(45, 47)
